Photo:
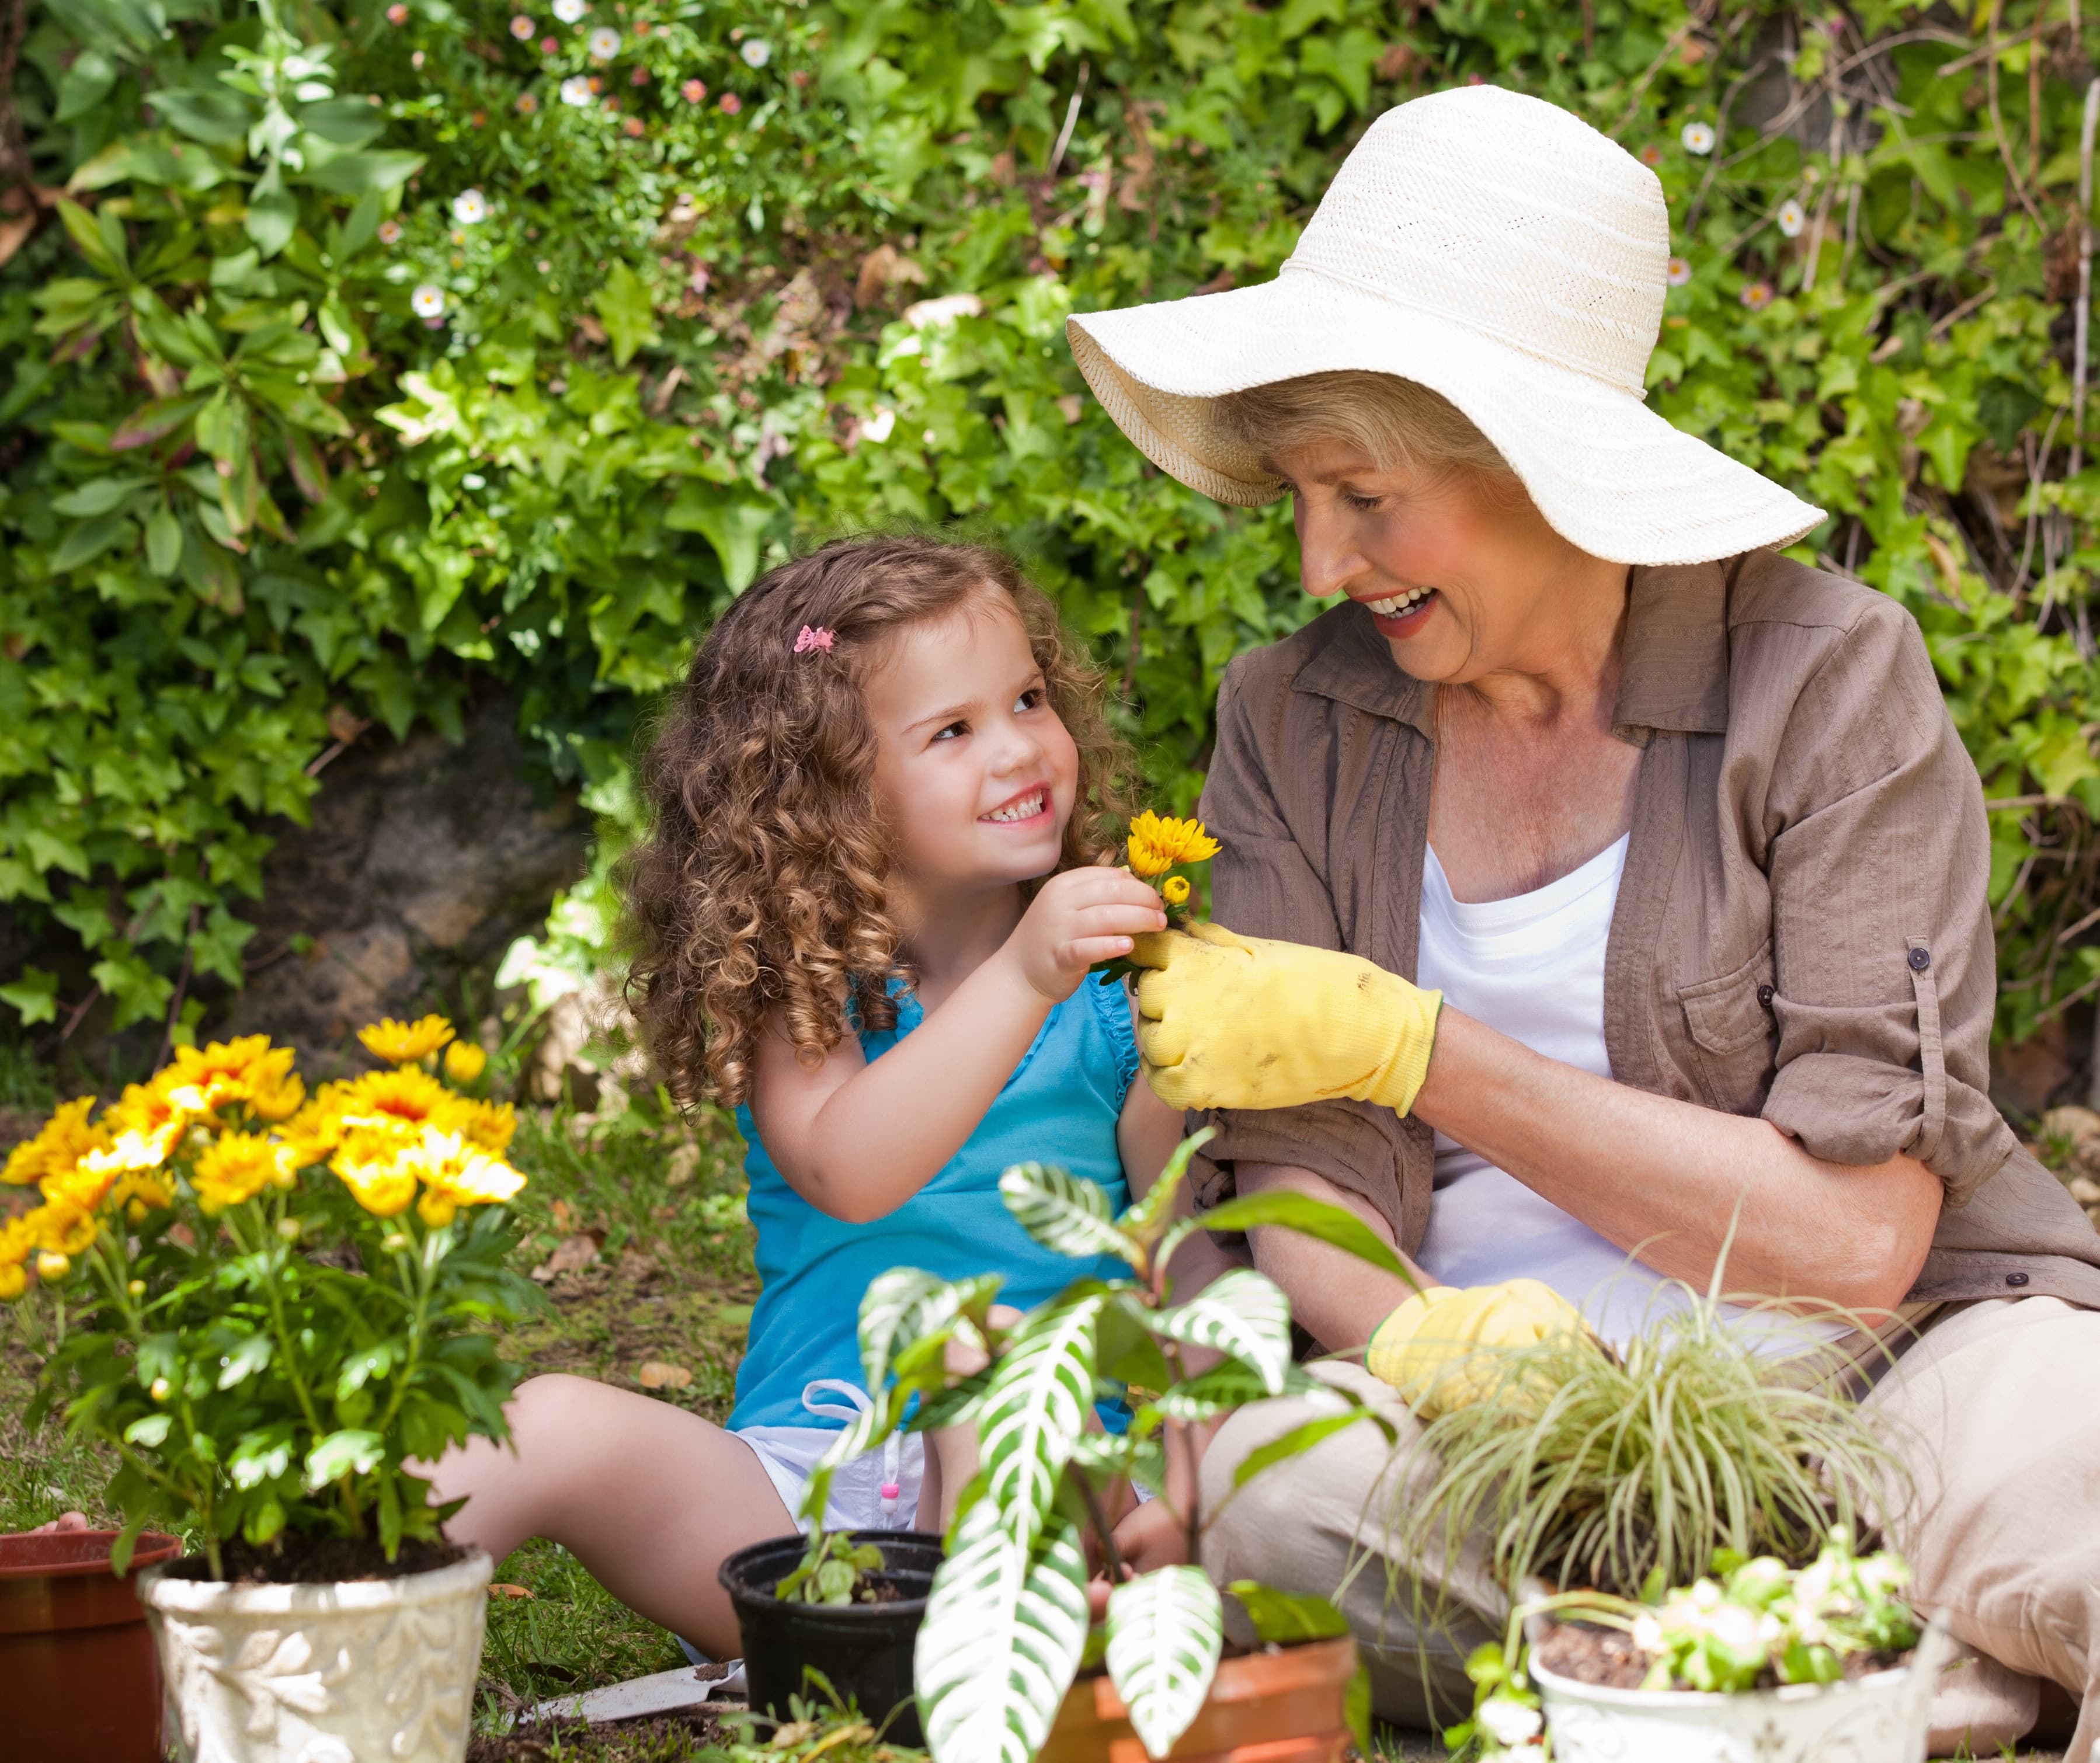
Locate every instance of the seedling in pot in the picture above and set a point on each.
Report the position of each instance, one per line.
(834, 1571)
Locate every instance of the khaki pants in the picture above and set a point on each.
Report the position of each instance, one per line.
(1997, 1408)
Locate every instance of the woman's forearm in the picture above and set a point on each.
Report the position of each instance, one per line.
(1335, 1298)
(1663, 1179)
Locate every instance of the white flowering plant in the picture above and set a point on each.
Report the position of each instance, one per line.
(1751, 1624)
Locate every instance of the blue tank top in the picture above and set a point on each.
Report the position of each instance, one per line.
(1060, 1107)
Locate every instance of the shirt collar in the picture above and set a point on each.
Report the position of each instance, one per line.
(1674, 675)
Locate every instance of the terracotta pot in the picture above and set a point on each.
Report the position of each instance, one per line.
(1883, 1718)
(321, 1673)
(1285, 1706)
(75, 1655)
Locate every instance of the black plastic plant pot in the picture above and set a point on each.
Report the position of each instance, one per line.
(864, 1651)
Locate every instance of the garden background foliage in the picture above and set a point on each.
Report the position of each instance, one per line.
(360, 357)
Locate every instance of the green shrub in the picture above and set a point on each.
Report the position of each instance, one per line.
(256, 494)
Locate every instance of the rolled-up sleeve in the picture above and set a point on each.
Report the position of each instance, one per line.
(1262, 884)
(1885, 972)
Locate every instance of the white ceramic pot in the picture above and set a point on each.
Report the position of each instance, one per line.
(366, 1670)
(1880, 1719)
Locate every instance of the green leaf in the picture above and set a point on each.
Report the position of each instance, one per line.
(1222, 1390)
(1298, 1212)
(86, 83)
(211, 114)
(88, 541)
(253, 1353)
(1066, 1213)
(92, 238)
(1294, 1443)
(97, 496)
(1005, 1625)
(906, 1306)
(272, 216)
(1149, 1215)
(150, 1430)
(732, 525)
(154, 421)
(351, 1452)
(33, 996)
(354, 174)
(1243, 1315)
(1281, 1618)
(164, 543)
(1035, 1405)
(623, 305)
(344, 122)
(1165, 1631)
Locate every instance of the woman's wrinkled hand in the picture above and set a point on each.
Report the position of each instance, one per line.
(1233, 1022)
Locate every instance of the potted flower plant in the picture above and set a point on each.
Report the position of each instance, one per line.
(1794, 1665)
(270, 1305)
(1010, 1665)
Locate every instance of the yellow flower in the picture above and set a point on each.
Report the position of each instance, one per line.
(140, 1192)
(13, 1283)
(18, 1237)
(1158, 842)
(436, 1209)
(279, 1100)
(52, 1265)
(454, 1167)
(402, 1043)
(225, 1074)
(64, 1140)
(489, 1125)
(235, 1169)
(403, 1098)
(1175, 890)
(464, 1061)
(372, 1168)
(63, 1228)
(82, 1188)
(312, 1134)
(147, 1113)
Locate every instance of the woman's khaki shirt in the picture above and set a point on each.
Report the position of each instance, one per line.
(1801, 932)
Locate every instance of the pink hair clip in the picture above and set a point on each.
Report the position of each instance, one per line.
(813, 636)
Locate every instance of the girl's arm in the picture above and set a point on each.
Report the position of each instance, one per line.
(857, 1141)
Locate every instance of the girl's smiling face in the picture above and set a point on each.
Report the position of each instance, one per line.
(974, 773)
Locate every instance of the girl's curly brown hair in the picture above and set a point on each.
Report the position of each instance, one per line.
(761, 884)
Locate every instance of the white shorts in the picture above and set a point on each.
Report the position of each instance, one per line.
(877, 1492)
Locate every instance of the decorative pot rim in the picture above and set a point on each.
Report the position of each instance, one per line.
(220, 1599)
(1928, 1655)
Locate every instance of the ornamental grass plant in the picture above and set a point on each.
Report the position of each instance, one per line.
(268, 1305)
(1616, 1469)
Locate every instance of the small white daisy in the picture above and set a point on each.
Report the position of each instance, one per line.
(757, 53)
(390, 232)
(1697, 137)
(427, 302)
(1792, 217)
(1679, 273)
(603, 43)
(469, 208)
(568, 12)
(575, 90)
(878, 426)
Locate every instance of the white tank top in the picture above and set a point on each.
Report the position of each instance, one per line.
(1532, 967)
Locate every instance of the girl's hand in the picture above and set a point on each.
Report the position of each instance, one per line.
(1078, 918)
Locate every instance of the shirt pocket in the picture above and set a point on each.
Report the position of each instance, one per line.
(1733, 1032)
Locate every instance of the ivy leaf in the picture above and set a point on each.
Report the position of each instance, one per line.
(33, 996)
(732, 525)
(623, 306)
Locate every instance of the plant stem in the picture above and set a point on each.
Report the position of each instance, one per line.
(1111, 1562)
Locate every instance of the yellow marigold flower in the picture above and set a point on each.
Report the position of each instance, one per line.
(404, 1097)
(403, 1043)
(454, 1167)
(464, 1061)
(83, 1188)
(234, 1168)
(223, 1074)
(1175, 890)
(436, 1209)
(143, 1190)
(63, 1228)
(373, 1168)
(1157, 843)
(13, 1283)
(52, 1267)
(490, 1125)
(312, 1134)
(58, 1147)
(279, 1100)
(146, 1113)
(18, 1237)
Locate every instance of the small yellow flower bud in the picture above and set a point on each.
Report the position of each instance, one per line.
(289, 1229)
(137, 1288)
(464, 1061)
(160, 1389)
(1175, 890)
(394, 1242)
(51, 1265)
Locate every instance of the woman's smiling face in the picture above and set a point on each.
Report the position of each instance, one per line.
(1461, 573)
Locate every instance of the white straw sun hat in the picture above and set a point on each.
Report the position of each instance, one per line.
(1501, 252)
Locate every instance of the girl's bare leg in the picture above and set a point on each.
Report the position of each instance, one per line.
(648, 1497)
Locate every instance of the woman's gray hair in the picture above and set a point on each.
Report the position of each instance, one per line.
(1397, 423)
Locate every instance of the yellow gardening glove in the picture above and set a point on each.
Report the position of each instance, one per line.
(1439, 1349)
(1233, 1022)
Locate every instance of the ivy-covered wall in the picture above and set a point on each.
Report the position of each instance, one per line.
(358, 358)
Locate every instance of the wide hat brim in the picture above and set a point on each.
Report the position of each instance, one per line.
(1607, 473)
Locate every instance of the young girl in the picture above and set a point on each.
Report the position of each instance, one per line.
(875, 881)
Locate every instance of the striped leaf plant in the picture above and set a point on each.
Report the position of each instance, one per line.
(1008, 1628)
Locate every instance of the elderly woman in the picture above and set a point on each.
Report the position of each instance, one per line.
(1598, 880)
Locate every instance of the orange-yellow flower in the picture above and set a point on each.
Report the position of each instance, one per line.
(62, 1228)
(312, 1134)
(82, 1188)
(490, 1125)
(234, 1168)
(141, 1191)
(18, 1237)
(13, 1283)
(58, 1148)
(1157, 843)
(454, 1167)
(402, 1043)
(279, 1100)
(1175, 890)
(145, 1111)
(224, 1074)
(53, 1266)
(374, 1170)
(464, 1061)
(404, 1097)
